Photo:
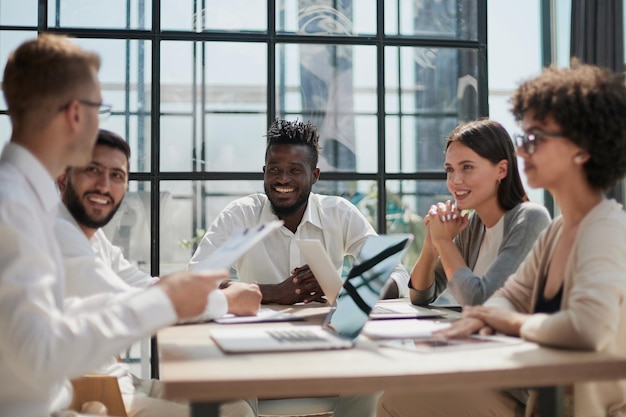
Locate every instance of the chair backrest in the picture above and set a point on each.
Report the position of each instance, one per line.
(102, 388)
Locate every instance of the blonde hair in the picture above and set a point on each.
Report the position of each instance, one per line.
(42, 72)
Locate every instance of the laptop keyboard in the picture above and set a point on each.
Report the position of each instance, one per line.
(291, 336)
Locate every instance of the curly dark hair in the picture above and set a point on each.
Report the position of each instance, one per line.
(285, 132)
(589, 103)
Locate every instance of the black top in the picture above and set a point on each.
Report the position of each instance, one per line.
(549, 306)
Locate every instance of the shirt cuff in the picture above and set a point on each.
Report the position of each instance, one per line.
(153, 306)
(217, 305)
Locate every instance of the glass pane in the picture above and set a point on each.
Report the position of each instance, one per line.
(187, 15)
(361, 193)
(18, 13)
(211, 112)
(216, 148)
(180, 66)
(180, 15)
(218, 74)
(9, 41)
(125, 78)
(456, 19)
(235, 142)
(407, 202)
(190, 207)
(229, 83)
(326, 17)
(317, 83)
(110, 14)
(428, 92)
(130, 227)
(416, 143)
(136, 131)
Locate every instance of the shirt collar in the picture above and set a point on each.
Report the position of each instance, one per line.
(311, 214)
(35, 173)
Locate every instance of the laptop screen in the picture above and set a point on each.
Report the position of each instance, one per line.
(365, 282)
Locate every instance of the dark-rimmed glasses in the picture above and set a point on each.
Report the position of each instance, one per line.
(528, 141)
(104, 110)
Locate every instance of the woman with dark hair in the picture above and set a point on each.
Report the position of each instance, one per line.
(471, 256)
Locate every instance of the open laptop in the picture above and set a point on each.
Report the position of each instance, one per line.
(330, 280)
(345, 320)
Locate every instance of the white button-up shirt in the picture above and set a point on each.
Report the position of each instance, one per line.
(95, 265)
(43, 343)
(334, 221)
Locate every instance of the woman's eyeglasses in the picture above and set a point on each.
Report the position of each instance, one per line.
(528, 141)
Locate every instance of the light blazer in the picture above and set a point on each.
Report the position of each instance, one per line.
(593, 307)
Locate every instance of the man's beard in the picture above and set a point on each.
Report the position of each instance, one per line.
(285, 211)
(75, 207)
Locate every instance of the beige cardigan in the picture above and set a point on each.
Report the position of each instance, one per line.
(593, 307)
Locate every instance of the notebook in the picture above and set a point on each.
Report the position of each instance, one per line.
(403, 329)
(330, 281)
(437, 345)
(345, 320)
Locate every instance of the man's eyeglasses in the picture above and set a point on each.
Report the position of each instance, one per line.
(528, 141)
(104, 110)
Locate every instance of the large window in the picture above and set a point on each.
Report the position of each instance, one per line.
(194, 85)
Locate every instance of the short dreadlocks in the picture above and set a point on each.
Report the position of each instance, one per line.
(285, 132)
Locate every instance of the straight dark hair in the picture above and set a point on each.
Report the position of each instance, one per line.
(115, 141)
(490, 140)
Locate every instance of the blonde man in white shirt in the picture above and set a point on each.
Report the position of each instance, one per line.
(91, 195)
(53, 96)
(276, 263)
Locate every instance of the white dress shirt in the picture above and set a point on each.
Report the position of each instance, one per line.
(95, 265)
(334, 221)
(42, 344)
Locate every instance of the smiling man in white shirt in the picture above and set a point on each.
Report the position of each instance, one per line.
(91, 196)
(276, 263)
(53, 96)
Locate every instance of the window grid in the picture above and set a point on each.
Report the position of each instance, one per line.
(273, 40)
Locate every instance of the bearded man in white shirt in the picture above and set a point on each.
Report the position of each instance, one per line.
(53, 96)
(276, 263)
(91, 196)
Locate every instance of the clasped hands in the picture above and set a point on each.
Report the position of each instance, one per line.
(300, 287)
(444, 221)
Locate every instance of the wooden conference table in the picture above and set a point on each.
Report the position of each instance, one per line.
(194, 369)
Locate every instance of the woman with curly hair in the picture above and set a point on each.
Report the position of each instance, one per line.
(569, 292)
